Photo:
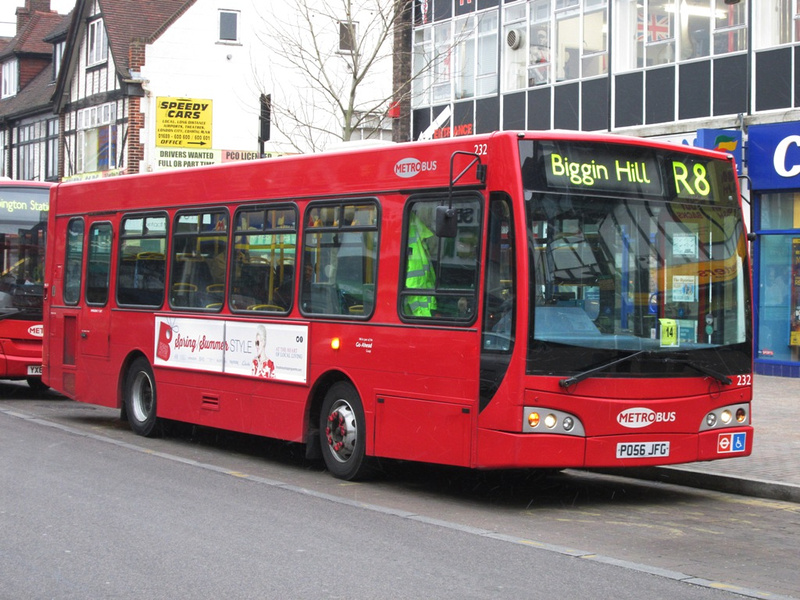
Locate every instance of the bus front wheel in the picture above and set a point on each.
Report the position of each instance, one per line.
(140, 398)
(342, 431)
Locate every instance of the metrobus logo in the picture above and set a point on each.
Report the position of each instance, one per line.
(636, 418)
(36, 330)
(409, 167)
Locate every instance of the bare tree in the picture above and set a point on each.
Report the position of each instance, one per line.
(329, 67)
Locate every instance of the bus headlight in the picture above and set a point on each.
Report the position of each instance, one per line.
(726, 416)
(553, 421)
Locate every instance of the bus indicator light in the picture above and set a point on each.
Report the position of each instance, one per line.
(533, 420)
(335, 343)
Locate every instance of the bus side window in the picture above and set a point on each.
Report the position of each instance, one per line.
(440, 275)
(498, 314)
(141, 274)
(98, 272)
(73, 267)
(265, 248)
(340, 260)
(199, 260)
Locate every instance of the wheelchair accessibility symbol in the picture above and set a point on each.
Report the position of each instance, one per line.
(731, 442)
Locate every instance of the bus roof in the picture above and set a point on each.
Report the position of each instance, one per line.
(344, 171)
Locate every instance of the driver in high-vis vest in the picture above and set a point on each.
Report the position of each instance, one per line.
(419, 270)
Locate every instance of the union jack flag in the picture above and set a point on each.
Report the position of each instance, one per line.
(658, 28)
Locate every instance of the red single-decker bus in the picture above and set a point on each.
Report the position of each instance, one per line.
(518, 299)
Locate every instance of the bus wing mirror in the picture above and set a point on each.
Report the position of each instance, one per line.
(446, 222)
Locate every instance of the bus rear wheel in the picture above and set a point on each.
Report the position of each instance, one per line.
(343, 433)
(140, 399)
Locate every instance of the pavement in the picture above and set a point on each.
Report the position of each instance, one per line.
(773, 468)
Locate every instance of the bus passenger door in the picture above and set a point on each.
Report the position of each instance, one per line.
(62, 317)
(95, 312)
(499, 308)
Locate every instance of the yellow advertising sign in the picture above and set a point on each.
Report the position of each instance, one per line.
(183, 122)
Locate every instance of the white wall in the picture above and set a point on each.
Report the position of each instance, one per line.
(188, 61)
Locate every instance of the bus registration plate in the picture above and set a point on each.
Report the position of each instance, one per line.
(34, 369)
(643, 450)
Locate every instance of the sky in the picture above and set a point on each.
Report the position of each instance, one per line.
(8, 13)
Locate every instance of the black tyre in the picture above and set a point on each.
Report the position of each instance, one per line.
(342, 431)
(37, 385)
(140, 399)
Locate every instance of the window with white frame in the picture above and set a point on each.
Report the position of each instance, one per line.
(52, 150)
(657, 32)
(778, 23)
(58, 54)
(568, 42)
(10, 78)
(486, 70)
(423, 58)
(27, 146)
(229, 26)
(464, 57)
(96, 43)
(456, 59)
(97, 138)
(442, 63)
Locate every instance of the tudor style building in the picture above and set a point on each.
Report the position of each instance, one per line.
(28, 68)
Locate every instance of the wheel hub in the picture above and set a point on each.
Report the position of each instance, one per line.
(341, 431)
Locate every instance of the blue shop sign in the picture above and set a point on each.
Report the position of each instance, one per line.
(773, 156)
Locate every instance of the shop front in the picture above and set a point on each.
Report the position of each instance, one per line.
(774, 168)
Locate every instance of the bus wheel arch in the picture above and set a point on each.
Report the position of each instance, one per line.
(139, 397)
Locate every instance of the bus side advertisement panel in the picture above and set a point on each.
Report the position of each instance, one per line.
(263, 350)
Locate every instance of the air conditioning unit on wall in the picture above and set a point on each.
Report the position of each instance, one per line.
(515, 38)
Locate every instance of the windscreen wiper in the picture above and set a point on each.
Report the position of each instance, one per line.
(722, 378)
(569, 381)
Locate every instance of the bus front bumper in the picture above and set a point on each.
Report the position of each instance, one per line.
(499, 449)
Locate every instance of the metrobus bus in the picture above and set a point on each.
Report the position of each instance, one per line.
(512, 300)
(23, 233)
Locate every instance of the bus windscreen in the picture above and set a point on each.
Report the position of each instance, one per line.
(23, 223)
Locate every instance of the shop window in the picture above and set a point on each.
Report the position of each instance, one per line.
(780, 211)
(777, 321)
